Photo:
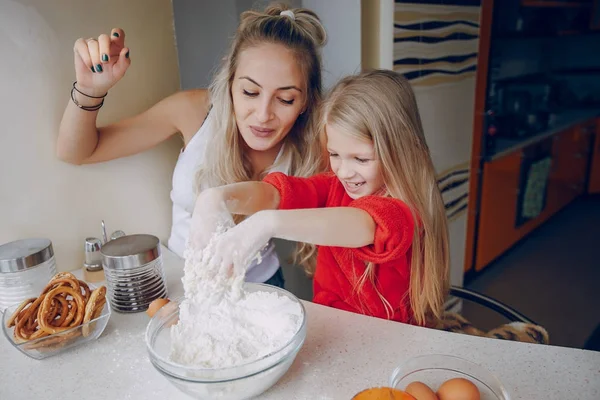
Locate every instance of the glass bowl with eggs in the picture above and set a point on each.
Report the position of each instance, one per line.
(242, 381)
(445, 377)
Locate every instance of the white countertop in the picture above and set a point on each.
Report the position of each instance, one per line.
(344, 353)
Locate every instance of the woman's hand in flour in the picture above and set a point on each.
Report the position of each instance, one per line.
(210, 216)
(240, 245)
(100, 62)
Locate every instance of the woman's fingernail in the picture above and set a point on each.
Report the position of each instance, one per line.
(116, 34)
(105, 57)
(93, 70)
(127, 54)
(99, 68)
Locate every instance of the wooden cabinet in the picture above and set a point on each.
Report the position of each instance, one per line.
(570, 162)
(498, 208)
(500, 225)
(594, 175)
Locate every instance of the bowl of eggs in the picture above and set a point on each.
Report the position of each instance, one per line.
(444, 377)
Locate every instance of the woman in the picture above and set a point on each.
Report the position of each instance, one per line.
(258, 116)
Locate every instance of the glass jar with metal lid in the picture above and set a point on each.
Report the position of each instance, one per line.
(26, 266)
(134, 274)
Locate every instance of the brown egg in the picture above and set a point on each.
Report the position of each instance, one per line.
(458, 389)
(420, 391)
(155, 306)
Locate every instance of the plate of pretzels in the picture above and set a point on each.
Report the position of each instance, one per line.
(67, 313)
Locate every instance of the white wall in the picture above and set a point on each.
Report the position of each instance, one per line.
(203, 31)
(41, 196)
(342, 53)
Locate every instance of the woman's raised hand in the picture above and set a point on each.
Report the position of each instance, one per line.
(101, 62)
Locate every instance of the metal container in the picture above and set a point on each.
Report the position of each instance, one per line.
(134, 274)
(93, 258)
(26, 266)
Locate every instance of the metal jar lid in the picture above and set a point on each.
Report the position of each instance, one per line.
(26, 253)
(130, 251)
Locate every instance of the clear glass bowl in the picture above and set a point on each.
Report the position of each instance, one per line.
(240, 382)
(435, 369)
(59, 342)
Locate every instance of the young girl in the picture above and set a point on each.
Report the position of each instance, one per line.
(377, 217)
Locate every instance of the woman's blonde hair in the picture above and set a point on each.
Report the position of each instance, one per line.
(380, 106)
(226, 161)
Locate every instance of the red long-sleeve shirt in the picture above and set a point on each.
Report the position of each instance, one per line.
(339, 269)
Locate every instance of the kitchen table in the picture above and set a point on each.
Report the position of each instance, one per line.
(344, 353)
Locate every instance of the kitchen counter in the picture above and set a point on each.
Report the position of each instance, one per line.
(344, 353)
(563, 121)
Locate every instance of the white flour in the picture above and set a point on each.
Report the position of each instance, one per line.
(221, 325)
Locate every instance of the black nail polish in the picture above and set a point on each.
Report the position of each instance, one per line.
(127, 54)
(93, 70)
(105, 57)
(99, 68)
(116, 34)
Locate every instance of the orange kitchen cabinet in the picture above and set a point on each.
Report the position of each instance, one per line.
(498, 208)
(563, 174)
(584, 137)
(579, 158)
(571, 151)
(593, 185)
(555, 200)
(499, 228)
(570, 156)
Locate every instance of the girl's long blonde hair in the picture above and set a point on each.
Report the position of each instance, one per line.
(226, 162)
(380, 106)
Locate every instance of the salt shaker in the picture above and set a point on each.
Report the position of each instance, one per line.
(93, 271)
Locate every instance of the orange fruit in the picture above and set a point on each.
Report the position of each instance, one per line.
(383, 393)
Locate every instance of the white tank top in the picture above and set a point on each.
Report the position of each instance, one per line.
(184, 197)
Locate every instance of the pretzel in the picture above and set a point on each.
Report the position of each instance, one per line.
(63, 305)
(12, 320)
(63, 311)
(54, 283)
(86, 290)
(44, 313)
(23, 328)
(63, 275)
(94, 307)
(54, 307)
(68, 279)
(71, 312)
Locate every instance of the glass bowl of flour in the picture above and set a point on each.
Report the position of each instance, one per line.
(232, 346)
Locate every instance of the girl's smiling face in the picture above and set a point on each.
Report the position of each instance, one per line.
(354, 162)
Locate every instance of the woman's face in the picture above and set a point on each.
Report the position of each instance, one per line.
(268, 92)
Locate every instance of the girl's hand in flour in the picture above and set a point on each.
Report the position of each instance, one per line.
(240, 245)
(210, 216)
